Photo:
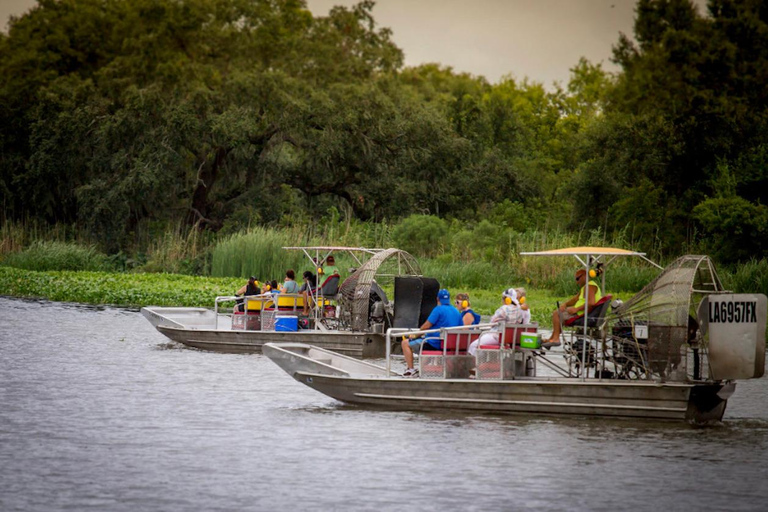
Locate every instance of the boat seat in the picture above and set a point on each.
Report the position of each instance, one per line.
(452, 360)
(455, 343)
(498, 361)
(596, 314)
(512, 335)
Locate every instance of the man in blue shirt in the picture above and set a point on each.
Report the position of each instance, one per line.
(444, 315)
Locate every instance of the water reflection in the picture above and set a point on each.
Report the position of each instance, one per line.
(99, 411)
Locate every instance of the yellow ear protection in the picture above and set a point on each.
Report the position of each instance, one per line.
(592, 274)
(464, 304)
(320, 271)
(267, 287)
(521, 300)
(508, 301)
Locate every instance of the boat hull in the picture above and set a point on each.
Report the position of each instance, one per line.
(199, 328)
(681, 402)
(356, 345)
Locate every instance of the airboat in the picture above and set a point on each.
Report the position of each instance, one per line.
(350, 318)
(674, 351)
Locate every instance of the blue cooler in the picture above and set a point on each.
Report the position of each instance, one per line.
(287, 323)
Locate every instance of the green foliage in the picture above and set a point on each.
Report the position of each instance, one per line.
(120, 289)
(259, 253)
(421, 235)
(42, 256)
(748, 277)
(225, 115)
(736, 229)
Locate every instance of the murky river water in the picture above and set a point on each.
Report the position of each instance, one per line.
(99, 411)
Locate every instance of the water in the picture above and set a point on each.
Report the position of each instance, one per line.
(98, 411)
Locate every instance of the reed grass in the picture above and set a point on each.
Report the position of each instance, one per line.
(17, 236)
(181, 249)
(259, 253)
(46, 255)
(750, 277)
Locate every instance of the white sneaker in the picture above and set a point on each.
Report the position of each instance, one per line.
(411, 372)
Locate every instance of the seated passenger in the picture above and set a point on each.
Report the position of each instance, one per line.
(310, 282)
(290, 285)
(574, 306)
(324, 273)
(273, 288)
(468, 316)
(251, 288)
(509, 312)
(444, 315)
(330, 268)
(523, 305)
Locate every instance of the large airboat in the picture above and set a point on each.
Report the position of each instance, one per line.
(351, 317)
(672, 352)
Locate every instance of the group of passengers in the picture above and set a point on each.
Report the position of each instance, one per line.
(513, 310)
(326, 270)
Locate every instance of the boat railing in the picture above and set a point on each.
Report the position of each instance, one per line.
(398, 332)
(508, 340)
(264, 298)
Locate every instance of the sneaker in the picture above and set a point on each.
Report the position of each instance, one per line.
(549, 344)
(411, 373)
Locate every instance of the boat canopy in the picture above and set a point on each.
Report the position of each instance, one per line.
(587, 254)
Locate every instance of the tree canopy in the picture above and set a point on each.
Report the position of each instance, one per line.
(219, 113)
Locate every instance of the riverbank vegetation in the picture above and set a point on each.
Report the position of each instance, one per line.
(198, 137)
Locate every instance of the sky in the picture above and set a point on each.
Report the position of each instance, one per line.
(535, 39)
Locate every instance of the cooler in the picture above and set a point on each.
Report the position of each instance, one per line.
(287, 323)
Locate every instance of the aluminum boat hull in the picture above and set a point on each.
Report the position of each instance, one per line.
(196, 327)
(698, 403)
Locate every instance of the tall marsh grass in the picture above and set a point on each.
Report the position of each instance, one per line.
(43, 256)
(16, 236)
(181, 249)
(259, 252)
(750, 277)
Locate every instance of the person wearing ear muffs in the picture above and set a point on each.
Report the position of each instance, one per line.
(575, 305)
(468, 315)
(521, 294)
(509, 313)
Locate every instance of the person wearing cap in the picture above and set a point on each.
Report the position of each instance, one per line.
(574, 306)
(468, 316)
(326, 270)
(251, 288)
(330, 268)
(509, 313)
(443, 315)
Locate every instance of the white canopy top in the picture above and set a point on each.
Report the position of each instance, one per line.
(585, 251)
(593, 253)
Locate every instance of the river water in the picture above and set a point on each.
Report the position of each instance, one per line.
(98, 411)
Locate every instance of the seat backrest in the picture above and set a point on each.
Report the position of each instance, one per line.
(596, 313)
(600, 309)
(513, 332)
(459, 341)
(330, 286)
(290, 301)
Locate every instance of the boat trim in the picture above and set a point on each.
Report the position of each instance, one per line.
(520, 402)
